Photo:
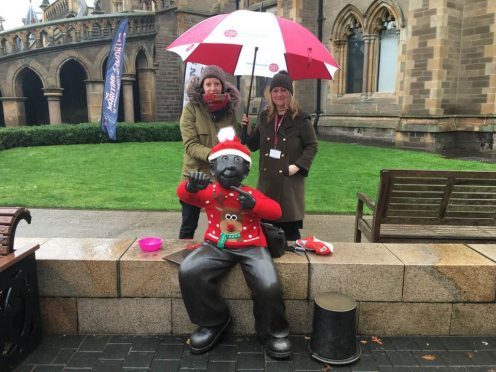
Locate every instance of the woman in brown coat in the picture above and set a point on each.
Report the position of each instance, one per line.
(212, 104)
(288, 144)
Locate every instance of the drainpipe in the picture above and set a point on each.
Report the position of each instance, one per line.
(318, 107)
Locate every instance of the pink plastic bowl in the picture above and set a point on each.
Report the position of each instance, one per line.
(150, 243)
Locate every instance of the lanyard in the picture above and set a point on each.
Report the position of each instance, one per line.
(277, 125)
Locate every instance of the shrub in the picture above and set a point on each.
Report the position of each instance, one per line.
(69, 134)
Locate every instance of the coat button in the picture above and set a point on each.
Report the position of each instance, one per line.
(266, 154)
(265, 169)
(284, 139)
(280, 171)
(268, 138)
(282, 155)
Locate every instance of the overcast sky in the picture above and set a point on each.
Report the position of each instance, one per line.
(13, 11)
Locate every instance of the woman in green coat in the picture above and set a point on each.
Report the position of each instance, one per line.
(288, 144)
(212, 104)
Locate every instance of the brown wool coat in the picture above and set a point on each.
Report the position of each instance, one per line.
(298, 145)
(199, 131)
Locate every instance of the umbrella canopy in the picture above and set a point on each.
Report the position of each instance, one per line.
(232, 41)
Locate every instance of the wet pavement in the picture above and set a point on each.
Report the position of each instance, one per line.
(72, 223)
(244, 353)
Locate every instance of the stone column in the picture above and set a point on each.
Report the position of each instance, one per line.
(14, 111)
(366, 65)
(128, 99)
(94, 95)
(146, 78)
(53, 96)
(341, 59)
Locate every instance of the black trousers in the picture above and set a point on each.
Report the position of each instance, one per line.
(198, 278)
(291, 229)
(190, 215)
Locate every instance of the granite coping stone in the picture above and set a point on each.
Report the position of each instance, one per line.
(365, 271)
(487, 250)
(80, 267)
(147, 274)
(445, 273)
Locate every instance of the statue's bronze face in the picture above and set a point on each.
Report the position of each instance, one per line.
(229, 170)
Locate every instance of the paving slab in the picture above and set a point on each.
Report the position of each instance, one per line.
(170, 353)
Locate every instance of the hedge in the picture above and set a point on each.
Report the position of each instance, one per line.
(69, 134)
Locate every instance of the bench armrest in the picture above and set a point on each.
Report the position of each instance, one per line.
(367, 200)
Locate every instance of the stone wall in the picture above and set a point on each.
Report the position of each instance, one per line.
(109, 286)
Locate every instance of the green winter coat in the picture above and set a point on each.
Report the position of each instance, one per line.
(298, 144)
(199, 130)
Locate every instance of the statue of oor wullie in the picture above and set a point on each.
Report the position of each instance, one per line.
(233, 236)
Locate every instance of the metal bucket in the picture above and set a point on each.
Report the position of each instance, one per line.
(334, 329)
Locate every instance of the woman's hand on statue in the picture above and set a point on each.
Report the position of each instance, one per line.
(293, 169)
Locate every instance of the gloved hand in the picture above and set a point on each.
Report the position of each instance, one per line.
(197, 181)
(246, 200)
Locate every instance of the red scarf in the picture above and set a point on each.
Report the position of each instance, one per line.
(216, 102)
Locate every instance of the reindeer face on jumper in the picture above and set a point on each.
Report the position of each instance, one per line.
(231, 221)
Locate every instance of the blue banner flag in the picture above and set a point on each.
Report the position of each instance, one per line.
(112, 85)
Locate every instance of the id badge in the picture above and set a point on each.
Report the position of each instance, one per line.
(274, 153)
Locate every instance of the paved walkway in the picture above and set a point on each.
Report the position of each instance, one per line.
(169, 353)
(243, 353)
(66, 223)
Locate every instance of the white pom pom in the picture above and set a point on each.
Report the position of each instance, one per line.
(226, 134)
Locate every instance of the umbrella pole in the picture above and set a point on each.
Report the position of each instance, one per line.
(245, 127)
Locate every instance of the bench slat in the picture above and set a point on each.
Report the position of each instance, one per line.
(413, 207)
(438, 188)
(415, 194)
(420, 181)
(467, 201)
(474, 189)
(453, 204)
(8, 211)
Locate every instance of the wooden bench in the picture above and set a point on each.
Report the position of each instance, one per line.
(9, 219)
(430, 206)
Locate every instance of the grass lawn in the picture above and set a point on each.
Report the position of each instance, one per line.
(144, 176)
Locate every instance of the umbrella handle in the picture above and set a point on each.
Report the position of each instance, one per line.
(245, 127)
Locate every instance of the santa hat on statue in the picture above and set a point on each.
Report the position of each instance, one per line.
(229, 145)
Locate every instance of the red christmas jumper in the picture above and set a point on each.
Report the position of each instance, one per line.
(228, 224)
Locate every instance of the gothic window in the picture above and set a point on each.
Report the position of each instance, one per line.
(354, 73)
(366, 46)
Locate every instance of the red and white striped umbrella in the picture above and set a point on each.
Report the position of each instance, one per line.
(234, 41)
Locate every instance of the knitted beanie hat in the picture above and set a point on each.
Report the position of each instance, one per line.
(213, 71)
(229, 145)
(282, 79)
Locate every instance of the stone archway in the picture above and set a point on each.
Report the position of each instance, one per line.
(29, 85)
(73, 102)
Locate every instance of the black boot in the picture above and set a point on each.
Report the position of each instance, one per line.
(278, 348)
(205, 338)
